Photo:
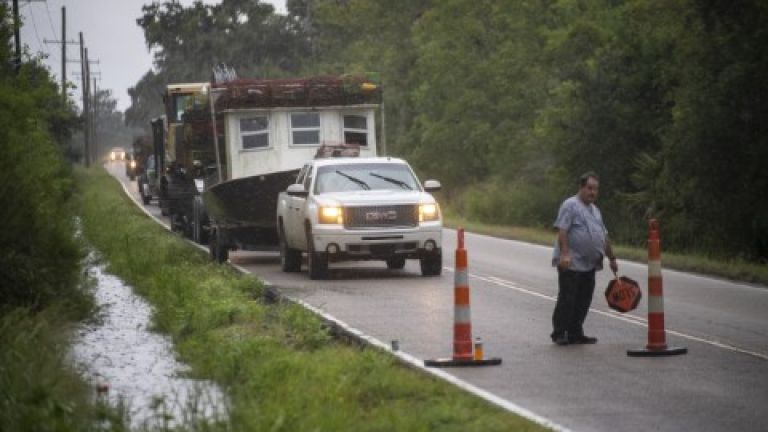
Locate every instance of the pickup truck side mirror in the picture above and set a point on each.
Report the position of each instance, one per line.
(297, 190)
(432, 186)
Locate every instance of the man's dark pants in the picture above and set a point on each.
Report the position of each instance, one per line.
(573, 300)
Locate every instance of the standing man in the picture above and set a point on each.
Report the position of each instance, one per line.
(582, 242)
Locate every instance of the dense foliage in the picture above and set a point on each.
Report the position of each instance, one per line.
(508, 102)
(38, 254)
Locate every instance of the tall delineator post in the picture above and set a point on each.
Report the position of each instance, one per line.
(462, 318)
(657, 341)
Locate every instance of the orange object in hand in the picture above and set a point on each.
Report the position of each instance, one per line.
(623, 294)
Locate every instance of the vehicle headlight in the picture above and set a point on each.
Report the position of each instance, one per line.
(133, 164)
(331, 215)
(428, 212)
(112, 155)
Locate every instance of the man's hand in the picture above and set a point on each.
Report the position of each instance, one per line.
(565, 261)
(613, 264)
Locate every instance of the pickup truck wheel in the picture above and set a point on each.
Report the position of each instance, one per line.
(290, 259)
(316, 261)
(395, 262)
(432, 265)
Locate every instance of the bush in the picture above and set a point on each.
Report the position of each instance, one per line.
(513, 203)
(38, 253)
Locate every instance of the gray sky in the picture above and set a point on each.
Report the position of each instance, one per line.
(111, 36)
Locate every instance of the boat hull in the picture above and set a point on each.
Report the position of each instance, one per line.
(244, 210)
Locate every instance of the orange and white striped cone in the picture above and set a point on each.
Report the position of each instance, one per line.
(462, 318)
(657, 343)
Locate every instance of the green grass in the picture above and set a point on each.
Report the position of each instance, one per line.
(278, 364)
(733, 268)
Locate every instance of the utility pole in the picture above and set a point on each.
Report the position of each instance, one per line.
(64, 55)
(88, 108)
(64, 60)
(84, 80)
(17, 36)
(94, 116)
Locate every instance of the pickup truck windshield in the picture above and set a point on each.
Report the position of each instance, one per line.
(376, 176)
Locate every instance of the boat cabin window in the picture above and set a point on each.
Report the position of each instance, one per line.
(356, 130)
(254, 132)
(305, 128)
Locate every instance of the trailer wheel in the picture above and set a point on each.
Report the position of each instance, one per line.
(199, 233)
(396, 262)
(316, 261)
(290, 259)
(145, 198)
(218, 252)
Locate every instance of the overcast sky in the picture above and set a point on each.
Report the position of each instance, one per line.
(111, 36)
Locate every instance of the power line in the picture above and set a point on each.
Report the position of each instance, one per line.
(37, 36)
(50, 21)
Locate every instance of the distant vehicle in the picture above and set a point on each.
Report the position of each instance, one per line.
(352, 209)
(117, 154)
(131, 166)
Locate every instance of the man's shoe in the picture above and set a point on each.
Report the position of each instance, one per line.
(560, 340)
(582, 340)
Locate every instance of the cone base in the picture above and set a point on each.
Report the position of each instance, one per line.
(449, 362)
(645, 352)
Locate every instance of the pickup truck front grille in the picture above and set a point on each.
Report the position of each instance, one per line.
(381, 216)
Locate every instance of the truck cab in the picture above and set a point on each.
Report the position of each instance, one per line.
(350, 208)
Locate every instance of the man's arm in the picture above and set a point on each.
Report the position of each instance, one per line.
(565, 255)
(611, 257)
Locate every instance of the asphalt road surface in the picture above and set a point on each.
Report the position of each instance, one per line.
(720, 385)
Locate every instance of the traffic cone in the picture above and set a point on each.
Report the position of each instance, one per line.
(657, 343)
(462, 323)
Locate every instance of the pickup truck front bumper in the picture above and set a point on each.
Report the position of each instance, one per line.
(342, 244)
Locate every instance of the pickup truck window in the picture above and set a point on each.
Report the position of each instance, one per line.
(305, 128)
(373, 176)
(356, 130)
(254, 132)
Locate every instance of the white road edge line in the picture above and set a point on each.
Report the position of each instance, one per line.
(403, 356)
(626, 318)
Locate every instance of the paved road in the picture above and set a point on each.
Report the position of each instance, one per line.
(720, 385)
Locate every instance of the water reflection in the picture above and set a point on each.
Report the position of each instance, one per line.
(138, 366)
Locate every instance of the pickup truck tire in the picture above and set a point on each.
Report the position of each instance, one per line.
(316, 261)
(290, 259)
(395, 262)
(432, 265)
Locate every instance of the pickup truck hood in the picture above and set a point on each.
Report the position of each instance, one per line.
(377, 197)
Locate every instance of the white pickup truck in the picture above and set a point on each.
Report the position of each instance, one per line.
(352, 208)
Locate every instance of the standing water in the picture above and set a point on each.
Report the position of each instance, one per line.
(128, 364)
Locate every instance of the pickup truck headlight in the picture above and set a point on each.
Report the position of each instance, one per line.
(428, 212)
(133, 164)
(331, 215)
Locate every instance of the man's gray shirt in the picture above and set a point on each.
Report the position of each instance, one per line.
(586, 234)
